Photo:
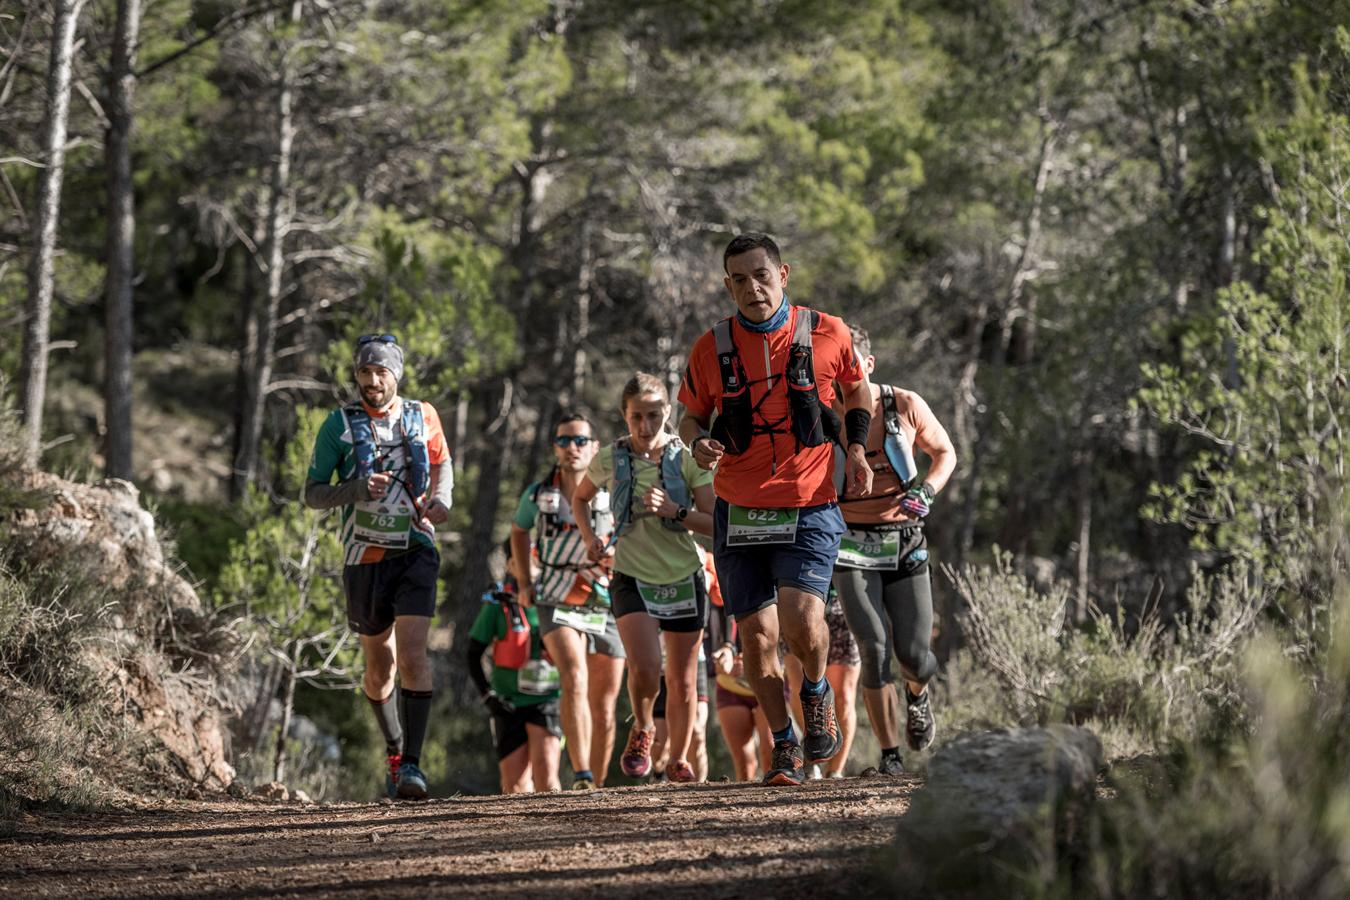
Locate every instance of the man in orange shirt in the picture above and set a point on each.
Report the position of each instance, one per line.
(769, 372)
(394, 482)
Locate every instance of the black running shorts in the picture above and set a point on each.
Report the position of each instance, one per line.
(509, 732)
(625, 599)
(403, 585)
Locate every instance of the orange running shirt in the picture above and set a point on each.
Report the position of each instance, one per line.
(924, 432)
(800, 478)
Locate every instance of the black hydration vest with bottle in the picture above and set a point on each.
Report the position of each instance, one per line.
(739, 420)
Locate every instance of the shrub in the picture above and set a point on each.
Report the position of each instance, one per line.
(1138, 687)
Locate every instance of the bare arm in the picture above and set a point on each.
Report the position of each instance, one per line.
(942, 452)
(694, 433)
(520, 562)
(698, 518)
(581, 511)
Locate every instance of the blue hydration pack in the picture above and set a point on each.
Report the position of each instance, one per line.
(414, 440)
(896, 444)
(625, 482)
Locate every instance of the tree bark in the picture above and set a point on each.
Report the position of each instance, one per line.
(267, 312)
(38, 309)
(287, 708)
(1084, 556)
(495, 458)
(118, 459)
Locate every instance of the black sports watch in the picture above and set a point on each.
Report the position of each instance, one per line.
(680, 516)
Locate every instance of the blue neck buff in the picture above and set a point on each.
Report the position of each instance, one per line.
(773, 323)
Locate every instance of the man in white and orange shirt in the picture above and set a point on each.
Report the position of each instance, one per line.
(769, 373)
(882, 571)
(394, 483)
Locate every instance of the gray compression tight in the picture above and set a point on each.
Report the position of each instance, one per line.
(885, 608)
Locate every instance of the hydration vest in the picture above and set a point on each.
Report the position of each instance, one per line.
(808, 420)
(550, 522)
(625, 482)
(894, 443)
(414, 441)
(513, 650)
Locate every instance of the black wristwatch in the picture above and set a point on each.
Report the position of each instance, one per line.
(680, 516)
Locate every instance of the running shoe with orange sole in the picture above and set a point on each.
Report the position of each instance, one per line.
(822, 730)
(680, 772)
(636, 760)
(787, 765)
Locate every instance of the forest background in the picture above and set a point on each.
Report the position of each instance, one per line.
(1106, 241)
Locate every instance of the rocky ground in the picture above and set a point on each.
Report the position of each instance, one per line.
(710, 840)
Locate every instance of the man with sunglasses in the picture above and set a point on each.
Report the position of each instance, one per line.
(572, 597)
(394, 484)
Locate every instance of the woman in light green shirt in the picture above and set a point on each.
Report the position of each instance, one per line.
(659, 495)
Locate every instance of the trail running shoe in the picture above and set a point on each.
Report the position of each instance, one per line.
(583, 784)
(822, 731)
(636, 760)
(787, 764)
(891, 765)
(391, 775)
(680, 772)
(412, 784)
(920, 727)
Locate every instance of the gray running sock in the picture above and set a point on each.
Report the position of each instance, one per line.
(386, 716)
(416, 710)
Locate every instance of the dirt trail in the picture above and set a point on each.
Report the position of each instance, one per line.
(710, 840)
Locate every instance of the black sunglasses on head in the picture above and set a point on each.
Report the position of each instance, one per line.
(581, 440)
(382, 338)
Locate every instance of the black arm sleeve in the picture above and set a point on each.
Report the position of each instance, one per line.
(475, 660)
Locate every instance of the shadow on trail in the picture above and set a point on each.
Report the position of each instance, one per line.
(377, 817)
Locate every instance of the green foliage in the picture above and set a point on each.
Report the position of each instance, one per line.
(1140, 685)
(434, 290)
(202, 534)
(1260, 382)
(1264, 812)
(284, 576)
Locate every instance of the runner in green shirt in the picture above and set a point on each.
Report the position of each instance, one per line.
(658, 495)
(522, 695)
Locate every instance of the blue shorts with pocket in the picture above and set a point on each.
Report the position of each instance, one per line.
(749, 576)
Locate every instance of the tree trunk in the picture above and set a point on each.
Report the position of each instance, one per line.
(585, 286)
(461, 425)
(287, 707)
(268, 311)
(118, 462)
(1084, 537)
(495, 458)
(38, 310)
(248, 331)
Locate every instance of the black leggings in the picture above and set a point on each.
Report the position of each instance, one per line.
(894, 607)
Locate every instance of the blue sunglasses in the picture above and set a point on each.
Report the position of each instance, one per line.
(581, 440)
(370, 338)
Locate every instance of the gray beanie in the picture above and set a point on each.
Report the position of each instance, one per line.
(381, 353)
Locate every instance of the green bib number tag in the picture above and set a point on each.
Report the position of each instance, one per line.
(587, 621)
(383, 526)
(760, 526)
(863, 549)
(669, 601)
(538, 677)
